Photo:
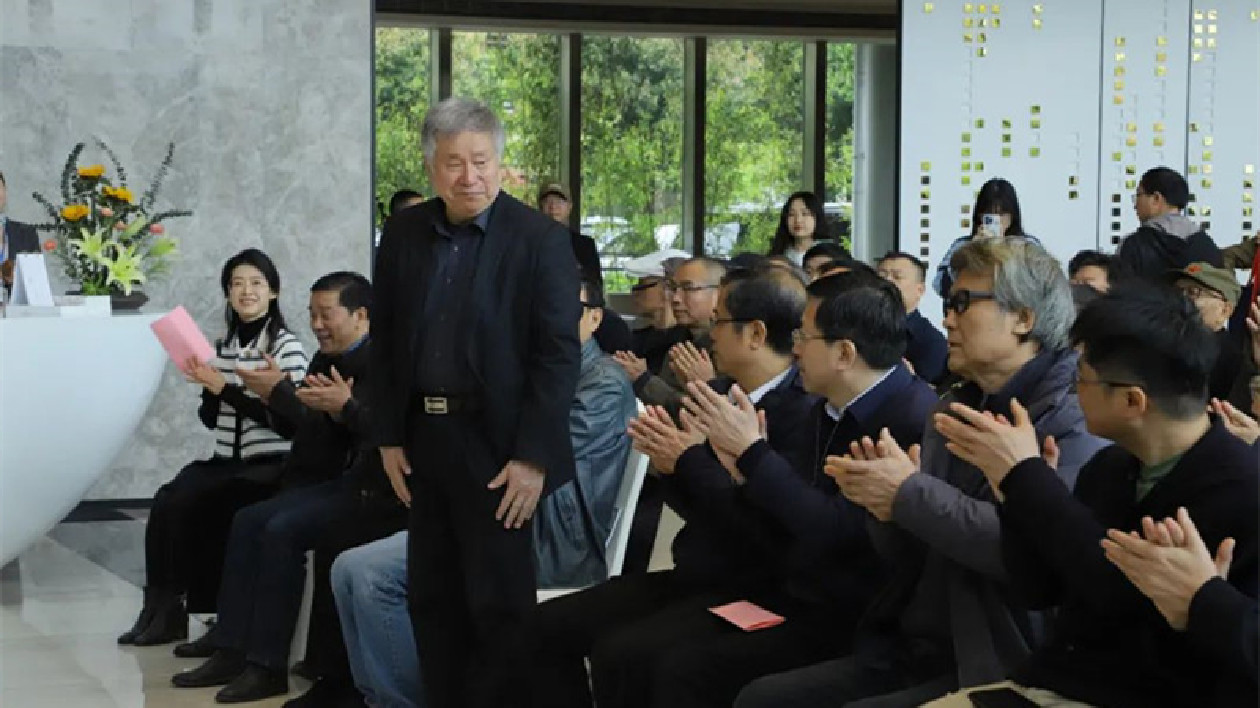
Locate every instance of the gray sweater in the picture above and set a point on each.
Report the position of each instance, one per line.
(949, 588)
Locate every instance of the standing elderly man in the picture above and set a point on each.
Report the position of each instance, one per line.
(479, 359)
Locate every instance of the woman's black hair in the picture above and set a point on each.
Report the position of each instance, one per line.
(997, 196)
(258, 259)
(783, 239)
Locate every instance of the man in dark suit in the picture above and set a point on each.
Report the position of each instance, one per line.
(926, 349)
(15, 237)
(477, 342)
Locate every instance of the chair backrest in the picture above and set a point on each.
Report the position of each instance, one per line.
(623, 511)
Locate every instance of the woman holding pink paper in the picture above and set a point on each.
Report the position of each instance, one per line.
(191, 514)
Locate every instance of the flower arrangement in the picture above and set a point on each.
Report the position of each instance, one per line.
(107, 240)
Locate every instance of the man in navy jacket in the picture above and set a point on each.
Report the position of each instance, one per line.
(926, 349)
(1143, 375)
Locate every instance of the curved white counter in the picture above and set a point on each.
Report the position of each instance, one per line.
(72, 391)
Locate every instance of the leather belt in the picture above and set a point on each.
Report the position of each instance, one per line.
(446, 405)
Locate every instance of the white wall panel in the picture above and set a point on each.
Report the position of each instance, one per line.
(1223, 141)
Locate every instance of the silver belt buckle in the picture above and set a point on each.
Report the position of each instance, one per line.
(435, 405)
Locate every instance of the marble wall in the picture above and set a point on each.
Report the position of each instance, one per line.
(269, 105)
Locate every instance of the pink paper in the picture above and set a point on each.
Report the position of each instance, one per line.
(181, 338)
(747, 616)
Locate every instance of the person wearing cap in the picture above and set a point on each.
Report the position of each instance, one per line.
(613, 334)
(651, 303)
(1214, 291)
(1167, 239)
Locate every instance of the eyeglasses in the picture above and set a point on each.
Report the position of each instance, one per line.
(799, 336)
(688, 288)
(591, 305)
(1197, 293)
(960, 300)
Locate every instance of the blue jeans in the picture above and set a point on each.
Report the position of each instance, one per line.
(370, 585)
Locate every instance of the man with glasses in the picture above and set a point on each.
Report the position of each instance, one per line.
(1214, 292)
(1142, 377)
(946, 619)
(652, 342)
(1166, 239)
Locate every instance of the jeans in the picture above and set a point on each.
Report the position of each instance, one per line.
(370, 585)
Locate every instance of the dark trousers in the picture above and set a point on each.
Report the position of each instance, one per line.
(560, 634)
(852, 682)
(644, 526)
(261, 591)
(469, 580)
(374, 518)
(186, 534)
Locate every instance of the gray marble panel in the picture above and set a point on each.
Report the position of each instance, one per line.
(269, 104)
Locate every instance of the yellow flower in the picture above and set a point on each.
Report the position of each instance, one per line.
(120, 193)
(92, 171)
(74, 212)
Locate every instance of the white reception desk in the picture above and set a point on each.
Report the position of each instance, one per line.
(72, 391)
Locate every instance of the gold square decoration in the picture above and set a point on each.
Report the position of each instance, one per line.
(966, 152)
(979, 123)
(1207, 141)
(925, 166)
(1130, 141)
(1119, 85)
(997, 22)
(1159, 126)
(966, 180)
(982, 51)
(1161, 71)
(1073, 194)
(1211, 43)
(979, 167)
(928, 7)
(1035, 110)
(1207, 183)
(1161, 41)
(968, 22)
(1161, 57)
(1006, 152)
(1159, 141)
(1035, 124)
(1073, 181)
(1130, 184)
(1034, 151)
(1249, 169)
(1119, 41)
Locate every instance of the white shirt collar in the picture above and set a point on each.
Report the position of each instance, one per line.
(836, 413)
(768, 386)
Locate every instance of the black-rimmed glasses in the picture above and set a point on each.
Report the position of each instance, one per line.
(960, 300)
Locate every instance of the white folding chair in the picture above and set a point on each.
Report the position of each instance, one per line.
(623, 518)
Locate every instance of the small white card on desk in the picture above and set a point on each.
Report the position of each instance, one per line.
(30, 281)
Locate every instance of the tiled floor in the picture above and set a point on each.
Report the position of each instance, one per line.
(63, 604)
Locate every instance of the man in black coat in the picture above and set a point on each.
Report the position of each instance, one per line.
(926, 349)
(613, 334)
(1142, 380)
(1167, 239)
(476, 333)
(15, 237)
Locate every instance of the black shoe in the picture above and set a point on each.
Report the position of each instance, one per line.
(254, 684)
(203, 648)
(219, 670)
(304, 670)
(328, 693)
(169, 624)
(151, 601)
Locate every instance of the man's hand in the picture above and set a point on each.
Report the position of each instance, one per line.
(731, 428)
(872, 473)
(992, 444)
(655, 435)
(326, 394)
(1170, 564)
(524, 487)
(632, 364)
(263, 379)
(394, 460)
(201, 373)
(691, 364)
(1239, 424)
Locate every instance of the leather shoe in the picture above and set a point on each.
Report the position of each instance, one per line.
(254, 684)
(169, 624)
(202, 648)
(218, 670)
(328, 693)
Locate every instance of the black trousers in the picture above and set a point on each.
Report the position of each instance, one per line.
(261, 592)
(376, 517)
(186, 535)
(559, 635)
(469, 580)
(852, 682)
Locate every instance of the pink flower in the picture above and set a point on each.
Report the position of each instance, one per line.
(158, 229)
(107, 212)
(50, 245)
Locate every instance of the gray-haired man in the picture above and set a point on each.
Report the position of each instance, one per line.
(478, 349)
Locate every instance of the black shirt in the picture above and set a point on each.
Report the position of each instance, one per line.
(442, 364)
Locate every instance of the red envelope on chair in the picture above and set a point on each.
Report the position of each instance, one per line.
(747, 616)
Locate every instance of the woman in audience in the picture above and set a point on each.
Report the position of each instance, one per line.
(191, 514)
(802, 224)
(998, 197)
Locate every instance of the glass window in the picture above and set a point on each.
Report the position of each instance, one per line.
(632, 121)
(839, 142)
(518, 76)
(754, 135)
(402, 97)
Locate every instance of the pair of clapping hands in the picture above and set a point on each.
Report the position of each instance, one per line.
(327, 394)
(730, 425)
(689, 363)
